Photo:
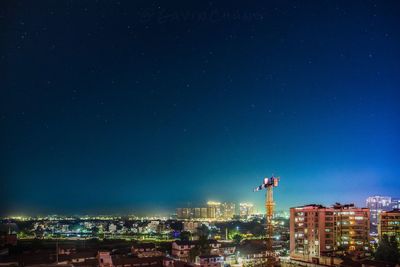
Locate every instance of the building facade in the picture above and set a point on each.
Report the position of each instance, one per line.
(213, 210)
(184, 213)
(376, 205)
(145, 250)
(389, 224)
(191, 226)
(395, 203)
(317, 231)
(246, 209)
(228, 210)
(181, 249)
(209, 261)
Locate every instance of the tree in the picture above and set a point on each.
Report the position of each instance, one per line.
(388, 250)
(95, 231)
(256, 228)
(193, 253)
(185, 236)
(203, 245)
(203, 230)
(237, 239)
(202, 248)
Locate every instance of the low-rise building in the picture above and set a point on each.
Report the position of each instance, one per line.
(181, 249)
(209, 261)
(226, 249)
(191, 226)
(8, 239)
(145, 250)
(252, 252)
(105, 259)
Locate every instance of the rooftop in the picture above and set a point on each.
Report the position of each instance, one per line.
(193, 242)
(394, 211)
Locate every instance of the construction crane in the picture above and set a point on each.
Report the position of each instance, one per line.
(269, 184)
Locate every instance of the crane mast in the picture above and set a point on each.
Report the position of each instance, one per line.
(269, 208)
(269, 184)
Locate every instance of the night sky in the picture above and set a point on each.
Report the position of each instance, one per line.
(141, 106)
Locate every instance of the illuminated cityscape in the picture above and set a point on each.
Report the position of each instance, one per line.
(312, 233)
(155, 133)
(213, 211)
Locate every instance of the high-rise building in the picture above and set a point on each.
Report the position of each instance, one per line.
(352, 227)
(203, 213)
(197, 213)
(311, 231)
(317, 231)
(211, 212)
(395, 203)
(194, 213)
(214, 209)
(218, 210)
(228, 210)
(191, 226)
(184, 213)
(376, 205)
(389, 224)
(246, 209)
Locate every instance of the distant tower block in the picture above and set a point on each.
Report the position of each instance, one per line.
(269, 184)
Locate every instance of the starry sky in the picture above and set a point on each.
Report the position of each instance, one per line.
(142, 106)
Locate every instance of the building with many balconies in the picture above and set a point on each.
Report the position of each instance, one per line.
(318, 232)
(389, 224)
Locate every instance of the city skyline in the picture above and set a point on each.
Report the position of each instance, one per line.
(257, 209)
(130, 107)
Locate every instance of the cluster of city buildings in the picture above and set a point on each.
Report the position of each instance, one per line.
(217, 211)
(316, 234)
(322, 234)
(379, 204)
(174, 252)
(219, 253)
(86, 228)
